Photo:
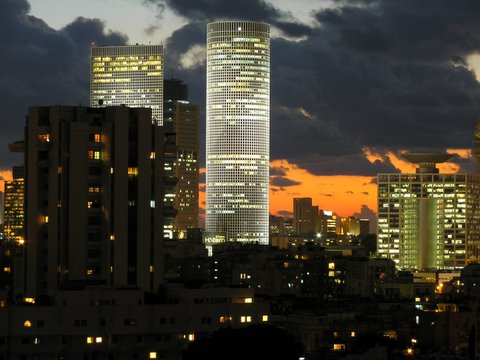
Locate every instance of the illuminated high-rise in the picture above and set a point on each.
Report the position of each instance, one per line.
(427, 219)
(14, 207)
(181, 123)
(238, 127)
(130, 75)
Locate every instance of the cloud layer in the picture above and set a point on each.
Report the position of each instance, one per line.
(385, 75)
(42, 66)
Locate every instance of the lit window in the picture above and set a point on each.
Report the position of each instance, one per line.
(98, 339)
(152, 355)
(89, 271)
(46, 219)
(338, 347)
(248, 300)
(29, 300)
(90, 340)
(133, 171)
(353, 334)
(44, 137)
(7, 269)
(191, 337)
(221, 319)
(242, 319)
(27, 324)
(96, 138)
(93, 154)
(331, 266)
(264, 317)
(249, 319)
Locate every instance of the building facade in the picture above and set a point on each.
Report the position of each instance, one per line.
(94, 191)
(130, 75)
(427, 219)
(181, 122)
(305, 216)
(238, 127)
(14, 207)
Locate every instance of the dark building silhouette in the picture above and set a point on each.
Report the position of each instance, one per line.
(94, 190)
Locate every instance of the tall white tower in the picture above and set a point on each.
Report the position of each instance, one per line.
(238, 131)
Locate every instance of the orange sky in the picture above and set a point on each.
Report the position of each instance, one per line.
(342, 194)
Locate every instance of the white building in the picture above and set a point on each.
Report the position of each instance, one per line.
(238, 126)
(130, 75)
(427, 219)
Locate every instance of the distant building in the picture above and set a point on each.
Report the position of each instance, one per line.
(130, 75)
(350, 226)
(427, 219)
(94, 190)
(14, 207)
(181, 123)
(364, 227)
(238, 132)
(305, 216)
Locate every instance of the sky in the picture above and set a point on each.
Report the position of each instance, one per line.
(354, 83)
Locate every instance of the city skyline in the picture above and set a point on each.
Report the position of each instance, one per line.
(340, 81)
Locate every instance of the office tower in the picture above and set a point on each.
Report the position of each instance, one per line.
(427, 219)
(14, 205)
(238, 126)
(130, 75)
(94, 190)
(327, 222)
(181, 123)
(304, 216)
(349, 226)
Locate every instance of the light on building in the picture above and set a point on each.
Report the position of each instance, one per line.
(248, 300)
(191, 337)
(89, 339)
(27, 324)
(98, 339)
(338, 347)
(264, 318)
(152, 355)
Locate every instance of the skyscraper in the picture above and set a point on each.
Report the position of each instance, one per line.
(14, 207)
(238, 126)
(94, 184)
(181, 123)
(305, 216)
(427, 219)
(129, 75)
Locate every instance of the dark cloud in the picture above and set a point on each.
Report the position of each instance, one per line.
(252, 10)
(349, 192)
(382, 74)
(42, 66)
(282, 181)
(326, 195)
(365, 193)
(389, 75)
(278, 171)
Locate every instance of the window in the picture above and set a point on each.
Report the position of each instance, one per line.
(94, 154)
(44, 137)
